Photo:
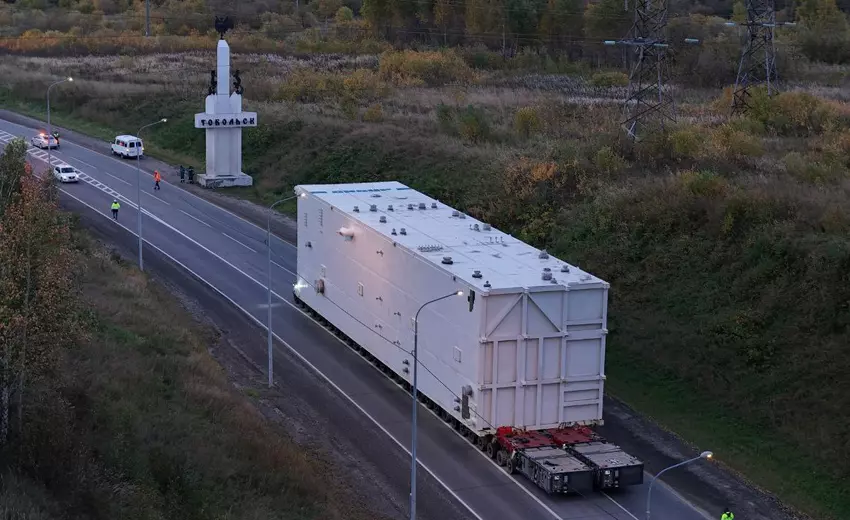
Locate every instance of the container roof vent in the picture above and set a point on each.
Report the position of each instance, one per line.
(433, 205)
(455, 213)
(547, 274)
(382, 220)
(403, 231)
(476, 274)
(543, 255)
(410, 206)
(565, 268)
(357, 209)
(422, 205)
(447, 260)
(487, 227)
(373, 208)
(390, 207)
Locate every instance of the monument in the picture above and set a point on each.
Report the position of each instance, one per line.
(223, 121)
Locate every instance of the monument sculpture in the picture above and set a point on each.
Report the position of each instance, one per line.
(223, 120)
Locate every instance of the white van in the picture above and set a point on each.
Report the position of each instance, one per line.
(128, 146)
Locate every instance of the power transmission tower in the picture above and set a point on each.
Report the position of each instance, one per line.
(648, 103)
(758, 58)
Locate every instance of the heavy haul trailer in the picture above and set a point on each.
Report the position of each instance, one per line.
(523, 350)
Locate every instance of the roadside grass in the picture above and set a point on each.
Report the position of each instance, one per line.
(143, 423)
(763, 457)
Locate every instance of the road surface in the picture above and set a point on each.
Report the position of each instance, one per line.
(228, 253)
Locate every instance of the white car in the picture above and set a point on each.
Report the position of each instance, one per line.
(65, 173)
(44, 141)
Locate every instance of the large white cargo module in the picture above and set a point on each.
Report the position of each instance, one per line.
(531, 353)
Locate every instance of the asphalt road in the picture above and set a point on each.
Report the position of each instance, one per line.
(228, 254)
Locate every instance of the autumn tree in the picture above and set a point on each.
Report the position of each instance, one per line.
(37, 290)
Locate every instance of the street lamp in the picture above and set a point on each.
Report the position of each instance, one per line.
(415, 404)
(269, 284)
(703, 455)
(50, 128)
(139, 188)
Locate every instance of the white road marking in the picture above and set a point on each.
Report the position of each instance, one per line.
(157, 198)
(290, 348)
(284, 268)
(196, 218)
(238, 242)
(93, 167)
(620, 506)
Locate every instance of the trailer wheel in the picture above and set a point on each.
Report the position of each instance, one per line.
(510, 466)
(491, 450)
(501, 457)
(482, 443)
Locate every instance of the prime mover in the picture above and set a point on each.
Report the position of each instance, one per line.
(516, 364)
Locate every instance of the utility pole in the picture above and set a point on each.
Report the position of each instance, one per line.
(758, 57)
(147, 18)
(648, 104)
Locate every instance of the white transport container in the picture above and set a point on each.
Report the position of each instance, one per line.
(531, 353)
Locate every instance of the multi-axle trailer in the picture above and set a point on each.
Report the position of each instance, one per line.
(516, 365)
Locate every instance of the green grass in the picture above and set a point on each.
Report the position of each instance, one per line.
(142, 423)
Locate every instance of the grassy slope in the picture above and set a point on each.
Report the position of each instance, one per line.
(144, 424)
(701, 319)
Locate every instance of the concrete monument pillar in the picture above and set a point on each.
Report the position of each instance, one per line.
(223, 121)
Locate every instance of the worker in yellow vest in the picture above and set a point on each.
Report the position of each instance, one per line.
(727, 515)
(115, 208)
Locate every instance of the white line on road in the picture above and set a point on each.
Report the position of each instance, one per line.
(238, 242)
(196, 218)
(93, 167)
(287, 345)
(157, 198)
(620, 506)
(284, 268)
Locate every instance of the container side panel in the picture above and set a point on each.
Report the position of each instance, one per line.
(551, 394)
(530, 405)
(507, 361)
(545, 312)
(583, 358)
(506, 407)
(586, 305)
(487, 363)
(532, 359)
(551, 358)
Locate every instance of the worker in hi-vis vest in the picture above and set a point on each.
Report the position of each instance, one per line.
(115, 208)
(727, 515)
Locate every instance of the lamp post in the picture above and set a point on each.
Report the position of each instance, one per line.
(703, 455)
(50, 128)
(269, 283)
(415, 403)
(139, 189)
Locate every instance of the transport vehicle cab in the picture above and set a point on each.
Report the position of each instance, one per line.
(128, 146)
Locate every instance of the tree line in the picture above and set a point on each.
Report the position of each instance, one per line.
(38, 314)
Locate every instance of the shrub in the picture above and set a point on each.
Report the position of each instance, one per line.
(432, 68)
(374, 114)
(685, 143)
(472, 124)
(609, 79)
(791, 113)
(817, 170)
(344, 14)
(446, 118)
(734, 144)
(607, 161)
(365, 84)
(527, 121)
